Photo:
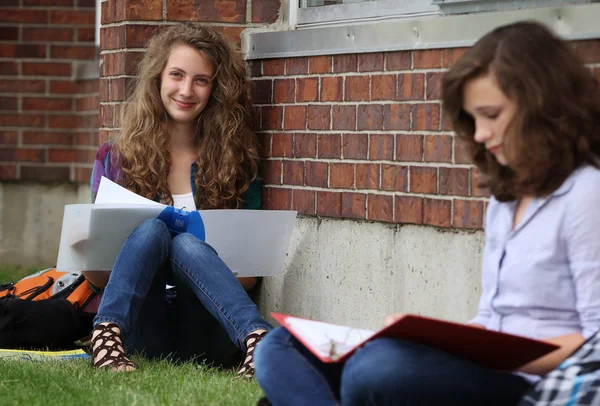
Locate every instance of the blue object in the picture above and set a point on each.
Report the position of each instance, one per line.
(182, 221)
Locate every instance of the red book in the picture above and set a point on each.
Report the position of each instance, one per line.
(334, 343)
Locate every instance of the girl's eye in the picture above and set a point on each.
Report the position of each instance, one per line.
(202, 81)
(493, 116)
(176, 74)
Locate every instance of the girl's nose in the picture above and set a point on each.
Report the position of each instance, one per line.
(185, 89)
(482, 133)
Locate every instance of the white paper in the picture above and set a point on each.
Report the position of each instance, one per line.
(329, 340)
(250, 242)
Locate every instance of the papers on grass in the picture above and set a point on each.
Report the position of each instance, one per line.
(250, 242)
(27, 355)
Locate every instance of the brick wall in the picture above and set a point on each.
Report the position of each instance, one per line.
(48, 117)
(128, 24)
(363, 136)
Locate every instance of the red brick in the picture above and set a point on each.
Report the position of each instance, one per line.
(383, 87)
(409, 147)
(262, 91)
(71, 155)
(367, 176)
(427, 59)
(396, 116)
(354, 205)
(273, 67)
(55, 3)
(64, 121)
(138, 35)
(399, 60)
(308, 90)
(9, 103)
(425, 116)
(279, 199)
(295, 118)
(47, 138)
(265, 140)
(588, 50)
(305, 145)
(21, 154)
(9, 137)
(9, 33)
(90, 103)
(296, 66)
(22, 16)
(232, 32)
(148, 10)
(272, 172)
(411, 86)
(48, 34)
(381, 147)
(370, 62)
(73, 52)
(113, 37)
(272, 118)
(467, 214)
(304, 201)
(329, 146)
(293, 172)
(477, 179)
(437, 212)
(45, 173)
(454, 181)
(265, 11)
(316, 174)
(370, 117)
(423, 179)
(451, 55)
(74, 17)
(8, 172)
(61, 86)
(11, 50)
(343, 117)
(282, 145)
(357, 88)
(284, 90)
(345, 63)
(46, 69)
(86, 138)
(86, 34)
(408, 209)
(380, 207)
(83, 175)
(341, 175)
(319, 117)
(434, 85)
(394, 178)
(255, 68)
(47, 104)
(355, 146)
(9, 68)
(438, 148)
(319, 64)
(108, 12)
(331, 88)
(329, 204)
(223, 11)
(461, 152)
(22, 120)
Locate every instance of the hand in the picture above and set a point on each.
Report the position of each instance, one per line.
(392, 318)
(477, 325)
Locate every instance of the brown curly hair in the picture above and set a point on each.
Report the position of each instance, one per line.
(555, 129)
(227, 150)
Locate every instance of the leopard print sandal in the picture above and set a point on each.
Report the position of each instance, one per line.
(107, 349)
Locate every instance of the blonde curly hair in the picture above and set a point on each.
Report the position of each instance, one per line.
(227, 150)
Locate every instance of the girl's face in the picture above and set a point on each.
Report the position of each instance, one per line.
(491, 110)
(186, 84)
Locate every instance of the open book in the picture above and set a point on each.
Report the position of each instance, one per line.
(250, 242)
(335, 343)
(30, 355)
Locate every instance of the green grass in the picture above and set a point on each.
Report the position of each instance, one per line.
(155, 383)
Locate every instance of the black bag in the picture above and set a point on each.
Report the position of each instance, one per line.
(46, 324)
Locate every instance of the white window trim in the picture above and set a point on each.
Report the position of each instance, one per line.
(441, 31)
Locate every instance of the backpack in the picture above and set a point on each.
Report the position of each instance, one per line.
(575, 382)
(50, 284)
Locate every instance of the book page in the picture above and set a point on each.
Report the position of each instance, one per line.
(328, 340)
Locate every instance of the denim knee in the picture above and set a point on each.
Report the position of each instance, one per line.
(264, 352)
(156, 229)
(185, 244)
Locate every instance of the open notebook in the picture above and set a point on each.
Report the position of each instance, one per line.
(335, 343)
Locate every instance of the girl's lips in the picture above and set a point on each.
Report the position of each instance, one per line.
(184, 105)
(494, 150)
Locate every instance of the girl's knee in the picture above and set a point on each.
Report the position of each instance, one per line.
(187, 244)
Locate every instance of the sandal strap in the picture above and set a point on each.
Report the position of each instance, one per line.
(247, 368)
(101, 336)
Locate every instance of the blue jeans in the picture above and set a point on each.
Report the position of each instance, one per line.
(210, 316)
(385, 371)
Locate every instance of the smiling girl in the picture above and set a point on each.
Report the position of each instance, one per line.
(184, 141)
(529, 112)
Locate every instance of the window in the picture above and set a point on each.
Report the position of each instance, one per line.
(472, 6)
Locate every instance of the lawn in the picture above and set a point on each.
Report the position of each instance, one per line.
(156, 383)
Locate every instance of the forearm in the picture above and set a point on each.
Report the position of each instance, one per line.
(247, 282)
(97, 278)
(541, 366)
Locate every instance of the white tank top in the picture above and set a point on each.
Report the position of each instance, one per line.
(185, 202)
